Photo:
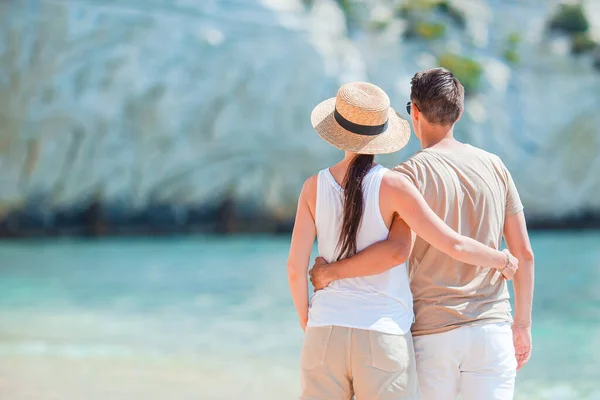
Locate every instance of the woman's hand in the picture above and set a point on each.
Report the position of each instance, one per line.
(303, 323)
(318, 274)
(511, 267)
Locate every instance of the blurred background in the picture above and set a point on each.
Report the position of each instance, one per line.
(152, 152)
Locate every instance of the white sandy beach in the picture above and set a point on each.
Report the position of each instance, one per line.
(53, 378)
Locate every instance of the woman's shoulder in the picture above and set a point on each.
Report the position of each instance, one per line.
(310, 184)
(394, 180)
(309, 190)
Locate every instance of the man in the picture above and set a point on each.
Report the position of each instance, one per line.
(464, 343)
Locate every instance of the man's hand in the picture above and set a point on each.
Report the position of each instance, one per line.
(513, 266)
(318, 274)
(522, 341)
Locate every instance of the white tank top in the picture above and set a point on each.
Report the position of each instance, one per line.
(380, 302)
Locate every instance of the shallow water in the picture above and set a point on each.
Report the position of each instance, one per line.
(211, 318)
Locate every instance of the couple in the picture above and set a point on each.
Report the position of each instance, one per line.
(358, 339)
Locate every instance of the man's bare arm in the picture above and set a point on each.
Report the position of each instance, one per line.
(517, 241)
(373, 260)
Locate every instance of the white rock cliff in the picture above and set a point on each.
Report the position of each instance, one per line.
(188, 103)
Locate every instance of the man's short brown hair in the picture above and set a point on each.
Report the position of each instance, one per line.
(438, 95)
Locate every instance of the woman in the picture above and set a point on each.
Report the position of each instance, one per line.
(358, 340)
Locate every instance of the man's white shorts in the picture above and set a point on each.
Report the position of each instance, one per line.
(476, 361)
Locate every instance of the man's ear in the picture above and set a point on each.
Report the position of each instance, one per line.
(415, 113)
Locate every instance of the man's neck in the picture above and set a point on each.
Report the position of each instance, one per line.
(435, 135)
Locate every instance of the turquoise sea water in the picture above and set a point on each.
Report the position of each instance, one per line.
(211, 318)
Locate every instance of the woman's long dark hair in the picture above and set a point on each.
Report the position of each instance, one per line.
(353, 203)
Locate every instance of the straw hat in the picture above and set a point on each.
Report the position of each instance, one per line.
(361, 120)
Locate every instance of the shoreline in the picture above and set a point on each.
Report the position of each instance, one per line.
(167, 221)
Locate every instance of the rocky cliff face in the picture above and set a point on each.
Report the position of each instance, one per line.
(199, 111)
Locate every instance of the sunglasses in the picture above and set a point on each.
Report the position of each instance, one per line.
(409, 105)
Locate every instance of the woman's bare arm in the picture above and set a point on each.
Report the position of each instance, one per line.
(404, 198)
(303, 238)
(375, 259)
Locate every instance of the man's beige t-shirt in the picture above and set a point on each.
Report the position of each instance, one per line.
(472, 191)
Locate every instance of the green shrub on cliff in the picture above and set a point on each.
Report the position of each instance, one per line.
(514, 39)
(425, 30)
(511, 56)
(466, 70)
(570, 18)
(582, 43)
(410, 8)
(379, 25)
(454, 13)
(346, 6)
(511, 53)
(430, 30)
